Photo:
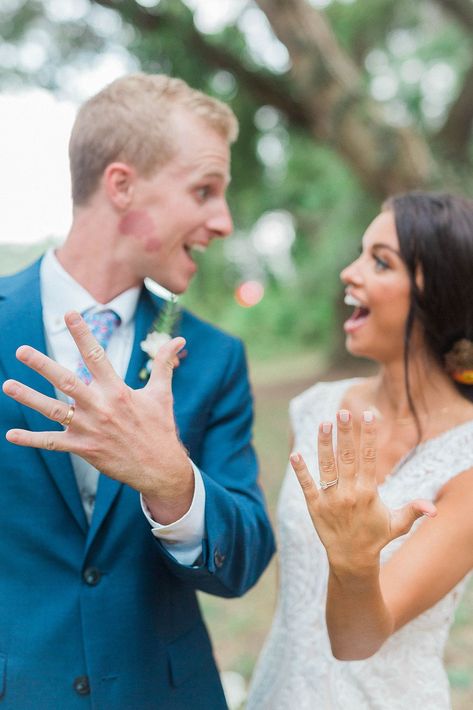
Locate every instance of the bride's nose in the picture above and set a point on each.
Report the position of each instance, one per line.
(351, 274)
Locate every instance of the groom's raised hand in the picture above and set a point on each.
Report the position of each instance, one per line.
(129, 435)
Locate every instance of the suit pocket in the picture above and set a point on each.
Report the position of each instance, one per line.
(3, 674)
(190, 654)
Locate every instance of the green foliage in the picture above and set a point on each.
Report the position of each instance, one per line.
(460, 678)
(311, 182)
(168, 318)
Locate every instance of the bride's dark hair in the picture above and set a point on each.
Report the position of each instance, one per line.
(435, 232)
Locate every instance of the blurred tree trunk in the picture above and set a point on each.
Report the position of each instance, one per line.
(461, 9)
(329, 86)
(455, 134)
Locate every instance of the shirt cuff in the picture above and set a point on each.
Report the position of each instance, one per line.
(183, 538)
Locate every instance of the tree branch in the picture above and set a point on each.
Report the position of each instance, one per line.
(323, 93)
(330, 88)
(461, 9)
(455, 135)
(265, 87)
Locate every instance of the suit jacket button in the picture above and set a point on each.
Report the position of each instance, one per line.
(219, 559)
(92, 576)
(81, 685)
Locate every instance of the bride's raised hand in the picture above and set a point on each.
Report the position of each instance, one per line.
(349, 516)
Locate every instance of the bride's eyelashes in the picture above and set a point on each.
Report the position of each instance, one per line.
(380, 264)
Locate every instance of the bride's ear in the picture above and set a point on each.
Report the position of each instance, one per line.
(419, 279)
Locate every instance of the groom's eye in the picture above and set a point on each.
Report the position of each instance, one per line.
(203, 192)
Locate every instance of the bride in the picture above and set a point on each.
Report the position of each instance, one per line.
(376, 551)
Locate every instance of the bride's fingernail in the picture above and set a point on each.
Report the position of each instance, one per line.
(295, 458)
(326, 427)
(368, 416)
(344, 416)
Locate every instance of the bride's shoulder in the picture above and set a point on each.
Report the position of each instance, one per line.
(321, 396)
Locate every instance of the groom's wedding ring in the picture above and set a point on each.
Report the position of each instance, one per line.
(68, 418)
(328, 484)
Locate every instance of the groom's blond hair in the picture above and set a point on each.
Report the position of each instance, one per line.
(131, 120)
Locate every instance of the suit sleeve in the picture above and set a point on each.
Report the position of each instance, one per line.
(238, 541)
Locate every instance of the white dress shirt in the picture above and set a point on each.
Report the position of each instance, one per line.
(61, 293)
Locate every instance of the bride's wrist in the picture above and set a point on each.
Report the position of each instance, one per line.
(362, 568)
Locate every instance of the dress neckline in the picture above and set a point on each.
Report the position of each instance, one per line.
(419, 448)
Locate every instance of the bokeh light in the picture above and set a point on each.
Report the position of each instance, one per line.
(249, 293)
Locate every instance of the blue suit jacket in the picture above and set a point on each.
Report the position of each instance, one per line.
(103, 617)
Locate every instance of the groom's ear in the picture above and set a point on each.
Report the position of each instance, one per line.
(119, 183)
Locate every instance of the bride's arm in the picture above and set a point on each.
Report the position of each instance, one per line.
(366, 603)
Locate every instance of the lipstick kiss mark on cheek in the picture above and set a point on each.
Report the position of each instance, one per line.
(138, 224)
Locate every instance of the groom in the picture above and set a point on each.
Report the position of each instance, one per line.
(109, 523)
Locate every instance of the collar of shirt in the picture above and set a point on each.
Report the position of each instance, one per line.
(61, 293)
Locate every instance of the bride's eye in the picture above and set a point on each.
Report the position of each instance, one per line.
(380, 264)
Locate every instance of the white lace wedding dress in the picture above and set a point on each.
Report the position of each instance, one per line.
(296, 670)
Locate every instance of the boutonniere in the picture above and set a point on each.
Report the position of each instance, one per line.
(162, 330)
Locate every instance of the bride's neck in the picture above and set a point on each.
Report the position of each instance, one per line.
(431, 389)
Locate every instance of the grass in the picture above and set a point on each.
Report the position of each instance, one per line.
(239, 626)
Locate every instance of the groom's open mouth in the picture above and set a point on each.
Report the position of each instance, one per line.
(191, 249)
(359, 315)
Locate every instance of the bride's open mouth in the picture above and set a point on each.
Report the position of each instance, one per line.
(359, 315)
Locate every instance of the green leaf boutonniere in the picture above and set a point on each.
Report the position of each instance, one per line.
(162, 330)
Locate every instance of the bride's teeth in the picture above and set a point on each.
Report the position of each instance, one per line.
(199, 247)
(350, 300)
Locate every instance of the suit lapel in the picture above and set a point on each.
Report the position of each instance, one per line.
(21, 323)
(108, 488)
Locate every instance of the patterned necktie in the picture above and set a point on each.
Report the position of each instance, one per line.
(102, 325)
